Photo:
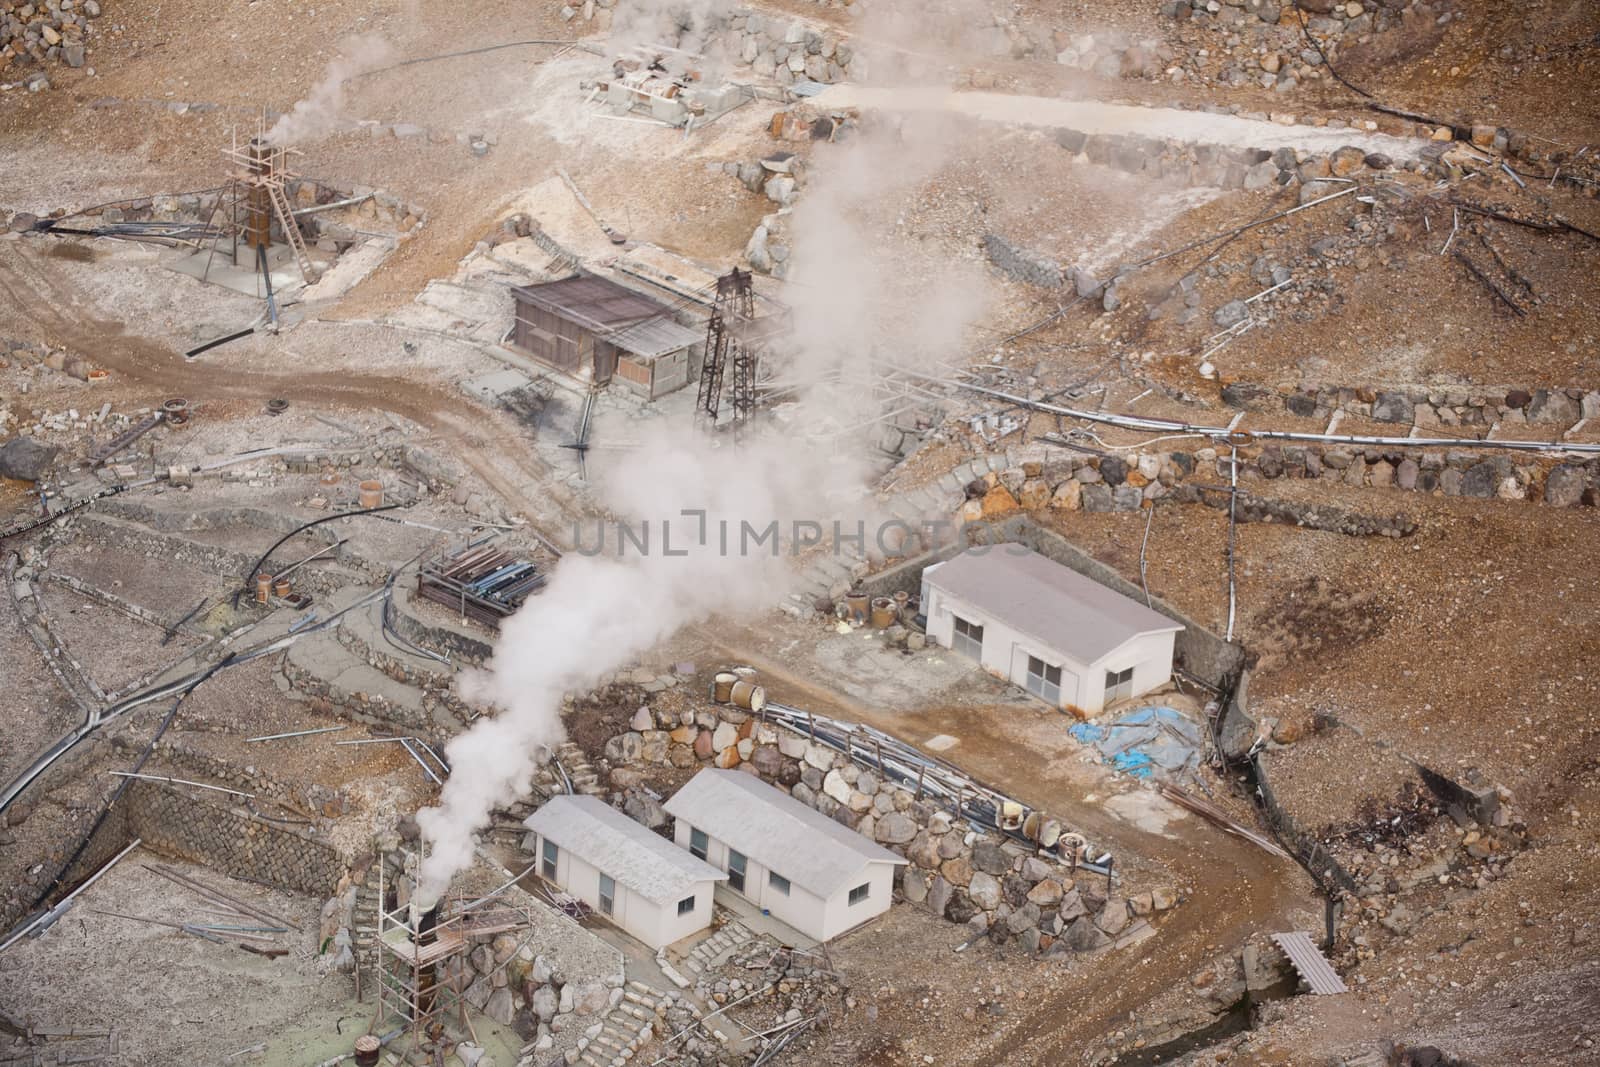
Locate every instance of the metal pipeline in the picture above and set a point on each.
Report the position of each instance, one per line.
(1241, 437)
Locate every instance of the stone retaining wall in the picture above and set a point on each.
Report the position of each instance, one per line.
(1427, 407)
(178, 824)
(329, 699)
(1004, 889)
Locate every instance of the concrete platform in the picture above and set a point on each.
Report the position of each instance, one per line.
(244, 278)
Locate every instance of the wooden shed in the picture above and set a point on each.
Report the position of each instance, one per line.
(594, 329)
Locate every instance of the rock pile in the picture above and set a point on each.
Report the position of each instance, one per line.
(1128, 483)
(45, 31)
(787, 50)
(1261, 42)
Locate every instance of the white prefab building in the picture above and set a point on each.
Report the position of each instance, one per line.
(1062, 636)
(817, 875)
(638, 879)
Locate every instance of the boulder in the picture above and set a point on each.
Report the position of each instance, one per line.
(500, 1006)
(990, 858)
(894, 828)
(1564, 487)
(984, 889)
(544, 1002)
(625, 748)
(1346, 161)
(915, 884)
(1084, 936)
(591, 997)
(26, 460)
(1046, 894)
(957, 870)
(1113, 918)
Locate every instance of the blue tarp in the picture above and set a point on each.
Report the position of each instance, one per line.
(1144, 741)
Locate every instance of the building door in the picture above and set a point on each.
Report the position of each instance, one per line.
(736, 870)
(608, 895)
(967, 639)
(1044, 681)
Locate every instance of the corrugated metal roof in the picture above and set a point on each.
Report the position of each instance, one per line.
(654, 337)
(1309, 961)
(608, 840)
(1050, 602)
(776, 830)
(593, 302)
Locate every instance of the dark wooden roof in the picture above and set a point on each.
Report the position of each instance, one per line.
(592, 302)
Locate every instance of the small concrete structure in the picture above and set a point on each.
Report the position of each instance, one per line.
(637, 879)
(1063, 637)
(807, 870)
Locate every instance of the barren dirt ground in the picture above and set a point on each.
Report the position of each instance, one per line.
(1469, 645)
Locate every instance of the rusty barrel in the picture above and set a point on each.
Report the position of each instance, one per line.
(281, 587)
(722, 686)
(263, 587)
(748, 695)
(367, 1049)
(371, 494)
(883, 613)
(855, 604)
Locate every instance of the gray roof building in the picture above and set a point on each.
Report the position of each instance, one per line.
(614, 844)
(776, 830)
(1046, 600)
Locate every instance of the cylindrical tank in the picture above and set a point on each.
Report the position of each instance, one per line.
(371, 494)
(281, 587)
(855, 603)
(722, 686)
(367, 1049)
(263, 587)
(883, 613)
(748, 695)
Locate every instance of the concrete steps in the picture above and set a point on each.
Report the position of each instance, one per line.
(628, 1026)
(585, 778)
(709, 952)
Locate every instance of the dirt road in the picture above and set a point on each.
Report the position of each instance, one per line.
(1094, 117)
(149, 370)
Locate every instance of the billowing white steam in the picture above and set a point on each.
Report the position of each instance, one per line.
(322, 111)
(691, 27)
(853, 298)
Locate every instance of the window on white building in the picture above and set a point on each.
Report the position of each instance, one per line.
(859, 893)
(736, 862)
(698, 843)
(778, 882)
(608, 895)
(686, 906)
(1044, 681)
(968, 639)
(1119, 685)
(549, 856)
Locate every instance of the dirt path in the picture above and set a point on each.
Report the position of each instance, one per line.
(151, 370)
(1238, 890)
(1093, 117)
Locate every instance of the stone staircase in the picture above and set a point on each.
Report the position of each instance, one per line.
(632, 1023)
(731, 936)
(364, 931)
(585, 779)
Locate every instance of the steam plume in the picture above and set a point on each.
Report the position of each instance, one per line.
(852, 297)
(322, 110)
